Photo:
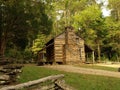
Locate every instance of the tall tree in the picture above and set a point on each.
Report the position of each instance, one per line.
(114, 5)
(64, 11)
(112, 42)
(20, 23)
(113, 24)
(91, 22)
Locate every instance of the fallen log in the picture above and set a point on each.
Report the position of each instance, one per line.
(32, 83)
(62, 85)
(12, 66)
(4, 77)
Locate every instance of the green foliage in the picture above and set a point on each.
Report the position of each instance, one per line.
(112, 39)
(20, 23)
(91, 22)
(27, 54)
(115, 9)
(100, 31)
(38, 43)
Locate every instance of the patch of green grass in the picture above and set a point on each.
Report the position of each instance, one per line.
(78, 81)
(92, 82)
(93, 66)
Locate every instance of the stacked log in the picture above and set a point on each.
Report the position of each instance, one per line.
(9, 73)
(4, 79)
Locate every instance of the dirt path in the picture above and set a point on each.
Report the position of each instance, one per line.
(70, 68)
(110, 65)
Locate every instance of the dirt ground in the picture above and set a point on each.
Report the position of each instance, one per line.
(109, 65)
(71, 68)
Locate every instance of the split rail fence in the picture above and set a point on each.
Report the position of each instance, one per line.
(54, 82)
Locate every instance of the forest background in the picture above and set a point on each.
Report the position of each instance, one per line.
(26, 25)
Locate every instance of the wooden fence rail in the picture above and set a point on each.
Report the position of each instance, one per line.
(57, 83)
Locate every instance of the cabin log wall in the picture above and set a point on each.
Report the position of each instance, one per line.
(58, 47)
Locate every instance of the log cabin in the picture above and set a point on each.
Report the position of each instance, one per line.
(66, 48)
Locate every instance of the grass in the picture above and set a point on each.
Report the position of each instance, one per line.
(78, 81)
(93, 66)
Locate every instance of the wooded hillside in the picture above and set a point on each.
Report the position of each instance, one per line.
(26, 25)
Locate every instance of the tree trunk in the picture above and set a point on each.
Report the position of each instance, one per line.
(3, 39)
(117, 57)
(65, 15)
(99, 52)
(2, 46)
(0, 41)
(93, 56)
